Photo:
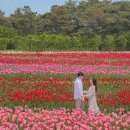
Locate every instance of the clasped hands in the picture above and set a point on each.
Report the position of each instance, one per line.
(85, 94)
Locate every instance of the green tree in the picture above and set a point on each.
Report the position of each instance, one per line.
(25, 20)
(94, 18)
(122, 10)
(7, 32)
(94, 43)
(4, 21)
(108, 43)
(3, 43)
(121, 42)
(128, 41)
(60, 20)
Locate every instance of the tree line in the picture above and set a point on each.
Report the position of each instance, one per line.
(90, 26)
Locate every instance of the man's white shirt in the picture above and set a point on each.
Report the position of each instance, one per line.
(78, 89)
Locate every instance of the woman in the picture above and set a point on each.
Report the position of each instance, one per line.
(91, 94)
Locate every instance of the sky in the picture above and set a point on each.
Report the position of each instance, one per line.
(40, 6)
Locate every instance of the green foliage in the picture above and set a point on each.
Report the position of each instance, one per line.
(53, 42)
(128, 41)
(25, 21)
(72, 18)
(94, 43)
(91, 26)
(4, 21)
(121, 42)
(7, 32)
(3, 43)
(108, 43)
(12, 44)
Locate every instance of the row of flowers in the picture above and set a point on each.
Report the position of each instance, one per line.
(65, 63)
(71, 54)
(7, 68)
(68, 61)
(62, 119)
(111, 91)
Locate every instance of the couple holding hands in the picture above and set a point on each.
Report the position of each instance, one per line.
(79, 94)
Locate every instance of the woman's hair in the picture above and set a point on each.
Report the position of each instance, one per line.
(94, 80)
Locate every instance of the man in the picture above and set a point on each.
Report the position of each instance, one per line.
(78, 91)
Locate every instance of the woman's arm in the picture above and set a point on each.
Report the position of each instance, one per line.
(84, 96)
(85, 93)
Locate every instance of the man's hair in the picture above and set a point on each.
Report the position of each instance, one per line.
(80, 74)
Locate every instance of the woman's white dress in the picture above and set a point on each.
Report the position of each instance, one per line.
(91, 94)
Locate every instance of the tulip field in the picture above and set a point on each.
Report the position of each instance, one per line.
(36, 90)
